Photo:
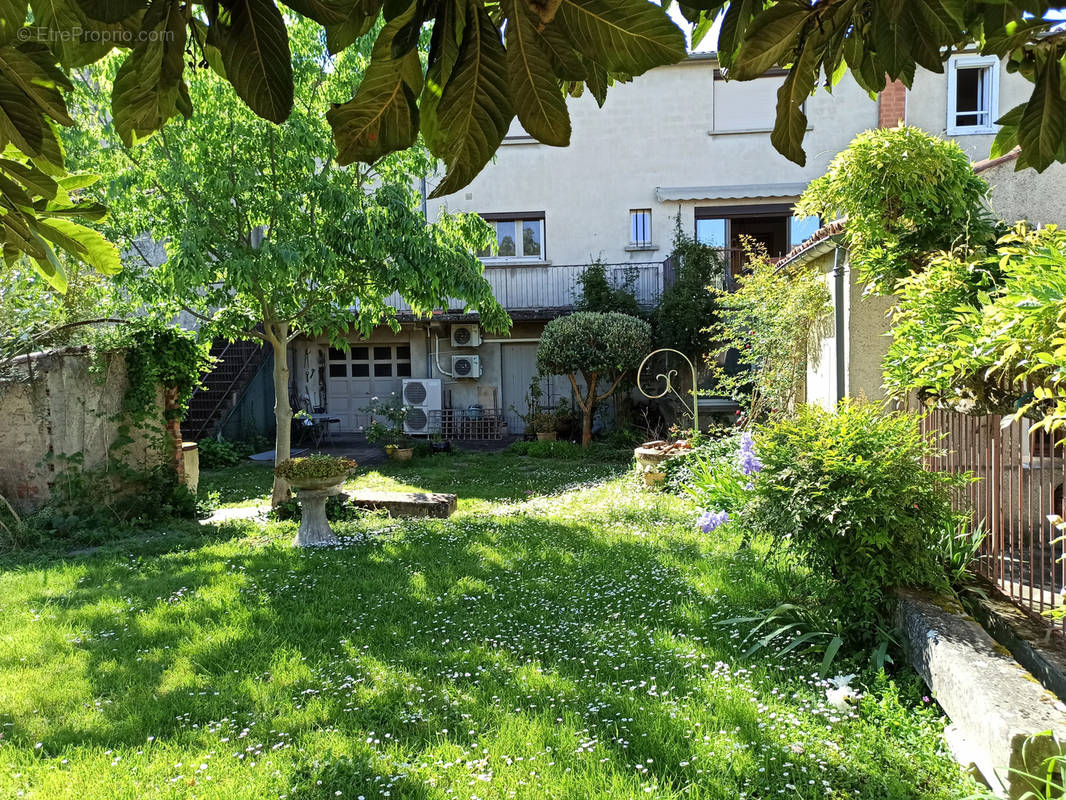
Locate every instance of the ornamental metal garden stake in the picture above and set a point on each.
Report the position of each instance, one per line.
(667, 378)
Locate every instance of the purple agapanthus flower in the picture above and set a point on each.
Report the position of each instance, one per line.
(748, 462)
(709, 520)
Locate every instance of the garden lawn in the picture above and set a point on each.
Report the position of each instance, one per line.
(559, 637)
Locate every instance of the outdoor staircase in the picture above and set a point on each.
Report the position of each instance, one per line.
(235, 366)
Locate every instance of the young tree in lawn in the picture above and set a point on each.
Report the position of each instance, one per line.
(266, 237)
(596, 346)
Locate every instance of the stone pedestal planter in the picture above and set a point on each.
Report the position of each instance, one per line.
(312, 494)
(650, 457)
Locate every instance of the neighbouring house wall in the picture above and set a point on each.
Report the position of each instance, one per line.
(867, 324)
(927, 107)
(508, 363)
(661, 130)
(865, 341)
(1027, 194)
(56, 407)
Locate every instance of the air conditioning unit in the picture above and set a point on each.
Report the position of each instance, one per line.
(421, 397)
(466, 336)
(466, 366)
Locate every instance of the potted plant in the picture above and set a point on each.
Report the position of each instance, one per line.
(438, 443)
(544, 424)
(315, 478)
(389, 433)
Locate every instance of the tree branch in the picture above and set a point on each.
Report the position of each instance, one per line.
(577, 391)
(614, 386)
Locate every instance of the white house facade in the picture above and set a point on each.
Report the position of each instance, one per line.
(680, 142)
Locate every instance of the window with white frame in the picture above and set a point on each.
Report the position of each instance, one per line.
(973, 94)
(640, 227)
(518, 237)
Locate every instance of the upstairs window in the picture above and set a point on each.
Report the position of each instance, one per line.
(517, 237)
(973, 94)
(640, 227)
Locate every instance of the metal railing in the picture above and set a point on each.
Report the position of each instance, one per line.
(526, 287)
(1020, 476)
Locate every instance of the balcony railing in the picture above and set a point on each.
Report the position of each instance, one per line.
(531, 287)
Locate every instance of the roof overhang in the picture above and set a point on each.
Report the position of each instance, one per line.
(741, 191)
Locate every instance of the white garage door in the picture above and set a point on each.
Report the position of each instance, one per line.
(363, 372)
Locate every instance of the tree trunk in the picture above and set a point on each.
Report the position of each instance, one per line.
(587, 404)
(278, 335)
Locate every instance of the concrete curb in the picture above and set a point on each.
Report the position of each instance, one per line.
(1004, 722)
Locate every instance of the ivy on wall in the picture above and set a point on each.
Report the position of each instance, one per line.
(162, 356)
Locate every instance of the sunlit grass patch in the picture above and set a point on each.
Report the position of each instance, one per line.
(558, 637)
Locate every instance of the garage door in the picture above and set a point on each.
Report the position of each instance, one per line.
(361, 373)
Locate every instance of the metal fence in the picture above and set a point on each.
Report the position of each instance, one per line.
(1020, 475)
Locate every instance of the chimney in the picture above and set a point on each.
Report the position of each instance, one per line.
(892, 105)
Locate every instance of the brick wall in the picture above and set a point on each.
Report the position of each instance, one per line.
(892, 105)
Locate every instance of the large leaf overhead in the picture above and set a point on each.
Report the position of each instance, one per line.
(536, 93)
(255, 53)
(474, 111)
(383, 115)
(1043, 122)
(491, 59)
(627, 36)
(149, 88)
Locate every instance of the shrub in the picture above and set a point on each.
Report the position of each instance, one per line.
(849, 493)
(92, 506)
(774, 320)
(688, 307)
(935, 349)
(218, 453)
(599, 294)
(556, 449)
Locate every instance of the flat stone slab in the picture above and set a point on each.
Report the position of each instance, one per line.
(994, 704)
(406, 504)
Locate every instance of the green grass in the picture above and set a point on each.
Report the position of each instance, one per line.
(545, 642)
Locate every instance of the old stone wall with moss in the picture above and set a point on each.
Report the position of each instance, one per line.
(64, 411)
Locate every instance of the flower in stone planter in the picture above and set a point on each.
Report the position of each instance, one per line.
(314, 466)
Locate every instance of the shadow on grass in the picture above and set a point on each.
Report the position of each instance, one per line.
(449, 634)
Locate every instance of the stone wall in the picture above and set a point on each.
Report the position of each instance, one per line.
(65, 405)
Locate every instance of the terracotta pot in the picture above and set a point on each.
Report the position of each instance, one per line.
(547, 436)
(402, 453)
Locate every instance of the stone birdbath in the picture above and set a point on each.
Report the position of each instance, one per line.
(315, 479)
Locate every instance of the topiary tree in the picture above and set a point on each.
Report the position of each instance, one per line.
(596, 346)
